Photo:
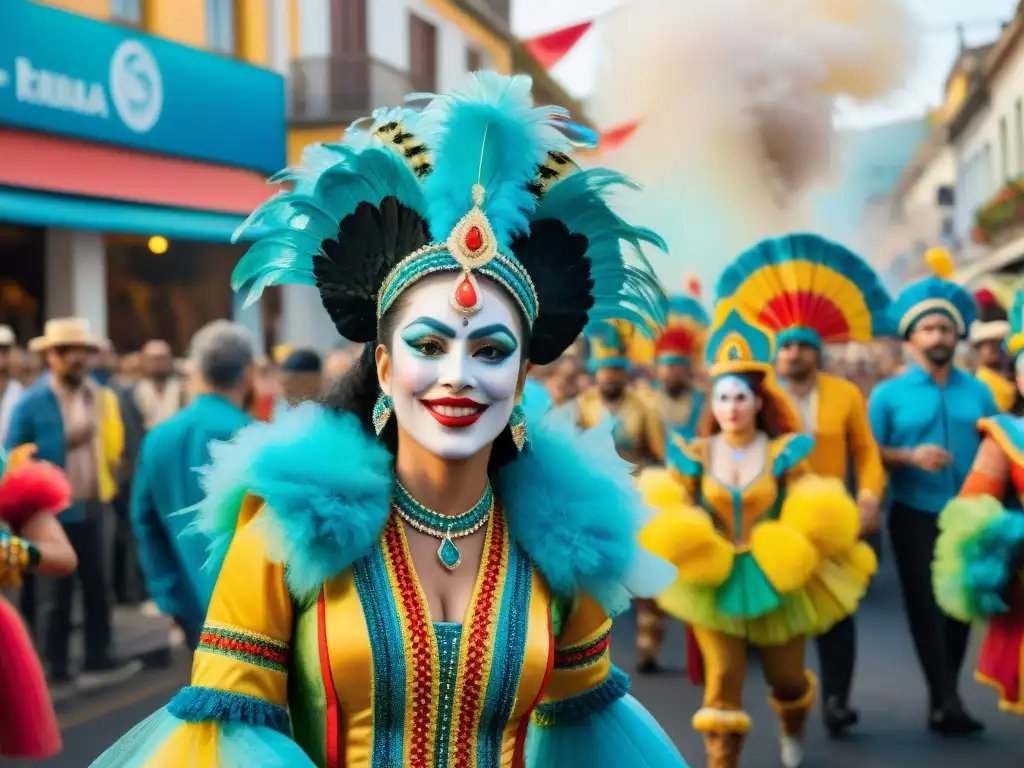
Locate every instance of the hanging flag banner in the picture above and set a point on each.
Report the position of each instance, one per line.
(616, 137)
(551, 48)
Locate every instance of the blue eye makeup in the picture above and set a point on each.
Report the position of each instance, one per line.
(500, 343)
(425, 337)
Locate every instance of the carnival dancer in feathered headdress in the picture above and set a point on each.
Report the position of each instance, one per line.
(988, 334)
(639, 436)
(450, 561)
(979, 559)
(924, 422)
(768, 554)
(812, 292)
(32, 493)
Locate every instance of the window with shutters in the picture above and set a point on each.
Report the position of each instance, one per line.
(422, 54)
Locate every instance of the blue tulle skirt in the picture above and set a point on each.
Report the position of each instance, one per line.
(623, 735)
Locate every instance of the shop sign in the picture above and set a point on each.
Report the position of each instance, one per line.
(68, 74)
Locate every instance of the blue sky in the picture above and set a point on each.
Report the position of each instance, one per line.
(939, 44)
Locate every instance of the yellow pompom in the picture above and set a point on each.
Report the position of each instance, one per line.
(787, 557)
(940, 262)
(823, 511)
(20, 455)
(863, 558)
(685, 537)
(660, 489)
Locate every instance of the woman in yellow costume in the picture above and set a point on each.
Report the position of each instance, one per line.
(422, 574)
(767, 553)
(978, 572)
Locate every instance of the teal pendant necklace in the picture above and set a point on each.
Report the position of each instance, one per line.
(443, 527)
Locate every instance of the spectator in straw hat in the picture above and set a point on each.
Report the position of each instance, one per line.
(10, 388)
(75, 423)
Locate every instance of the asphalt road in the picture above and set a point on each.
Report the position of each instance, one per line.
(889, 693)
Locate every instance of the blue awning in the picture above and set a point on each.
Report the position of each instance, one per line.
(45, 209)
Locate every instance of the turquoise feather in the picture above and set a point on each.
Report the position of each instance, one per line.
(1017, 314)
(490, 134)
(687, 308)
(338, 179)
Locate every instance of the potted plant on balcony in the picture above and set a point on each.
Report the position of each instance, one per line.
(1003, 212)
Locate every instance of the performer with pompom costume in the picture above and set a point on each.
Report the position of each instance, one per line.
(988, 335)
(768, 554)
(32, 493)
(424, 573)
(979, 558)
(924, 422)
(811, 292)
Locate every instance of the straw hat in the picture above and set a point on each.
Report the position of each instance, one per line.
(7, 338)
(65, 332)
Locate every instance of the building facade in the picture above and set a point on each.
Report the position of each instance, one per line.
(136, 136)
(987, 136)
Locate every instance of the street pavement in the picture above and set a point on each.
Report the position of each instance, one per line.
(889, 692)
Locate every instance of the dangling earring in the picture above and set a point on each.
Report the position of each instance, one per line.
(517, 424)
(382, 411)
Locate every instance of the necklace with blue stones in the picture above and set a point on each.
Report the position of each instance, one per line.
(443, 527)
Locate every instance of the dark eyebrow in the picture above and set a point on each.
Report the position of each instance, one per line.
(490, 330)
(437, 325)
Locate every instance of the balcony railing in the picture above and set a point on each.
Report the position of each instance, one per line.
(336, 89)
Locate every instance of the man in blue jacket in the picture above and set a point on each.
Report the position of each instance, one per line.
(924, 422)
(166, 481)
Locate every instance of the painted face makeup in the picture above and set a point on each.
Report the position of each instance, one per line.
(453, 378)
(733, 404)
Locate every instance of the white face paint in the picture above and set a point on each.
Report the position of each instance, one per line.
(733, 404)
(453, 378)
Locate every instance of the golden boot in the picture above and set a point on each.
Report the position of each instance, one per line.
(724, 732)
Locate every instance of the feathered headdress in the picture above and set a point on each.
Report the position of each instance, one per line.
(609, 342)
(683, 337)
(935, 294)
(477, 184)
(808, 289)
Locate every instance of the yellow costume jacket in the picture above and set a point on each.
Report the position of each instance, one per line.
(774, 559)
(843, 434)
(1004, 391)
(639, 433)
(319, 648)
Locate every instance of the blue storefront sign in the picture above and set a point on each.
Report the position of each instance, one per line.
(67, 74)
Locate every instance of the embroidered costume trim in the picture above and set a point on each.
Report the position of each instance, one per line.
(245, 645)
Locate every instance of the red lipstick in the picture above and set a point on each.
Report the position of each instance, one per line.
(454, 412)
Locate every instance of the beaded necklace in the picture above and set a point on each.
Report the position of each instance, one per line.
(441, 526)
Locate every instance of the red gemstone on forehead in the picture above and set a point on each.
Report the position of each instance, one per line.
(465, 294)
(474, 239)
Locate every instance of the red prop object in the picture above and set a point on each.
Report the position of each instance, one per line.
(30, 488)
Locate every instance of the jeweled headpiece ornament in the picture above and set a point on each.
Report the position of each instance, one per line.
(480, 184)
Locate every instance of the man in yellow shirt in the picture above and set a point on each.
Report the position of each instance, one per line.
(987, 335)
(813, 292)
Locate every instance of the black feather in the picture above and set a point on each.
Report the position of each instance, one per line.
(350, 270)
(556, 261)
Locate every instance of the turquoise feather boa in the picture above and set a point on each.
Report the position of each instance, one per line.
(570, 501)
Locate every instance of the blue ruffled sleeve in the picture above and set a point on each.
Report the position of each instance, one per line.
(587, 716)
